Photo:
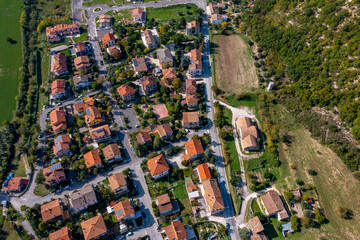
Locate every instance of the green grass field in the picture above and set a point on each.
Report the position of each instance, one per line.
(171, 12)
(181, 195)
(41, 190)
(10, 56)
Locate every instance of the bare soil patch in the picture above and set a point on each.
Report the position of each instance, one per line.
(234, 65)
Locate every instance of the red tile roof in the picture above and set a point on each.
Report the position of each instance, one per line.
(94, 227)
(61, 234)
(176, 231)
(107, 38)
(194, 147)
(157, 165)
(125, 90)
(137, 12)
(58, 86)
(111, 151)
(16, 183)
(92, 158)
(143, 137)
(123, 209)
(213, 195)
(51, 210)
(191, 117)
(169, 73)
(204, 172)
(116, 181)
(58, 120)
(101, 131)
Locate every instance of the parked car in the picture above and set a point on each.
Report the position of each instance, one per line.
(129, 234)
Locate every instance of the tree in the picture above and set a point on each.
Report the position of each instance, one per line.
(223, 134)
(244, 233)
(289, 196)
(312, 172)
(95, 85)
(346, 213)
(294, 223)
(39, 178)
(107, 195)
(177, 83)
(319, 217)
(42, 226)
(164, 29)
(157, 142)
(305, 222)
(224, 25)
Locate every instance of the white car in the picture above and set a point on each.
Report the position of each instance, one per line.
(129, 234)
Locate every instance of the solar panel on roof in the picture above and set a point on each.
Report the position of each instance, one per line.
(135, 63)
(88, 111)
(58, 147)
(99, 130)
(56, 166)
(79, 101)
(119, 213)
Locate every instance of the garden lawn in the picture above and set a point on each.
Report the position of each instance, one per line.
(171, 12)
(182, 197)
(10, 56)
(255, 207)
(41, 190)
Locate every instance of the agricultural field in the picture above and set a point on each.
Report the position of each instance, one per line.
(171, 12)
(10, 56)
(234, 66)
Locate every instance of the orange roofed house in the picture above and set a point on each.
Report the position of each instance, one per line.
(59, 66)
(126, 92)
(176, 231)
(58, 89)
(203, 172)
(148, 84)
(166, 206)
(108, 40)
(81, 81)
(256, 227)
(81, 105)
(94, 228)
(248, 134)
(274, 205)
(82, 63)
(191, 120)
(193, 28)
(54, 174)
(139, 15)
(169, 73)
(17, 184)
(191, 86)
(92, 159)
(193, 149)
(62, 145)
(58, 120)
(118, 184)
(100, 134)
(139, 65)
(55, 34)
(80, 49)
(191, 101)
(61, 234)
(164, 131)
(143, 137)
(105, 21)
(52, 211)
(112, 153)
(195, 67)
(158, 167)
(92, 116)
(124, 211)
(213, 196)
(150, 41)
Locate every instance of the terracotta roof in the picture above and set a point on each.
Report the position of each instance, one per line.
(79, 47)
(113, 50)
(149, 38)
(191, 117)
(249, 133)
(195, 55)
(81, 78)
(51, 210)
(272, 202)
(143, 137)
(54, 174)
(92, 114)
(58, 86)
(61, 142)
(213, 8)
(16, 183)
(82, 104)
(105, 18)
(190, 99)
(92, 158)
(193, 147)
(59, 63)
(169, 73)
(164, 203)
(216, 16)
(193, 24)
(58, 120)
(204, 172)
(116, 181)
(255, 225)
(82, 62)
(250, 141)
(93, 227)
(62, 27)
(258, 236)
(108, 38)
(147, 81)
(164, 129)
(123, 209)
(190, 186)
(213, 195)
(125, 90)
(101, 131)
(191, 86)
(244, 122)
(176, 231)
(61, 234)
(137, 12)
(157, 165)
(139, 64)
(111, 151)
(83, 197)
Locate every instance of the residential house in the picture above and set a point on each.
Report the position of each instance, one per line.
(196, 66)
(92, 159)
(193, 149)
(82, 63)
(54, 174)
(191, 120)
(192, 190)
(203, 172)
(58, 89)
(55, 34)
(81, 81)
(118, 184)
(213, 196)
(248, 134)
(124, 211)
(166, 206)
(216, 18)
(108, 40)
(213, 8)
(176, 231)
(52, 211)
(164, 131)
(61, 234)
(94, 228)
(256, 228)
(93, 116)
(193, 28)
(143, 137)
(165, 58)
(58, 120)
(139, 65)
(112, 153)
(17, 184)
(150, 41)
(100, 134)
(62, 145)
(105, 21)
(80, 105)
(139, 15)
(126, 92)
(80, 49)
(158, 167)
(59, 66)
(169, 73)
(274, 206)
(148, 84)
(114, 52)
(82, 199)
(191, 101)
(191, 86)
